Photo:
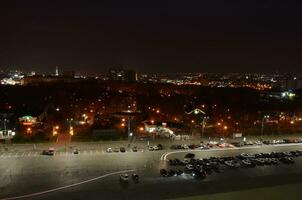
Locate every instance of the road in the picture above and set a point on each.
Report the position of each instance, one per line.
(93, 174)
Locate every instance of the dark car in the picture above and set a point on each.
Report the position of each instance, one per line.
(163, 172)
(44, 152)
(199, 174)
(287, 160)
(76, 151)
(172, 162)
(122, 149)
(172, 172)
(175, 146)
(135, 177)
(179, 172)
(160, 147)
(134, 149)
(190, 155)
(193, 146)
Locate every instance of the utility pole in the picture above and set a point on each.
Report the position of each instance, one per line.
(203, 126)
(262, 124)
(129, 131)
(4, 126)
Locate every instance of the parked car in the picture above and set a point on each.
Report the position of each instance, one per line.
(287, 160)
(190, 155)
(179, 172)
(49, 152)
(199, 174)
(124, 178)
(76, 151)
(135, 177)
(155, 148)
(109, 150)
(160, 147)
(163, 172)
(122, 149)
(151, 148)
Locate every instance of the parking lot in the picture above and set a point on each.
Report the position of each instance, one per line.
(95, 173)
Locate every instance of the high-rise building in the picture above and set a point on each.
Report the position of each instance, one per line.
(57, 71)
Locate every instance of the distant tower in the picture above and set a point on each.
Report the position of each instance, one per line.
(57, 71)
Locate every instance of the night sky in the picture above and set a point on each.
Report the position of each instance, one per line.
(152, 36)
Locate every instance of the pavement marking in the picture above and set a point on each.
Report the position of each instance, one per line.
(67, 186)
(165, 155)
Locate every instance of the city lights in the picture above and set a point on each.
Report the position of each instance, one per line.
(71, 132)
(29, 130)
(55, 130)
(161, 100)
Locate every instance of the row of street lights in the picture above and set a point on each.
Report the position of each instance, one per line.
(196, 112)
(199, 111)
(55, 129)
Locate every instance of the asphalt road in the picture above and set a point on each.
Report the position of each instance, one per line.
(92, 175)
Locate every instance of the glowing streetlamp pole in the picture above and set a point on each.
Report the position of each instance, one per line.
(262, 124)
(129, 130)
(197, 111)
(203, 126)
(4, 126)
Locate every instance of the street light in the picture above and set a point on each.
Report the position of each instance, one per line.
(4, 126)
(197, 111)
(262, 123)
(70, 126)
(55, 130)
(28, 130)
(71, 130)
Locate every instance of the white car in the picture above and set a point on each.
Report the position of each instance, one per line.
(155, 148)
(229, 163)
(186, 161)
(124, 177)
(189, 167)
(245, 155)
(246, 162)
(109, 150)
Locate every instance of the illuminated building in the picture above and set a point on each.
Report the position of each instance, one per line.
(122, 75)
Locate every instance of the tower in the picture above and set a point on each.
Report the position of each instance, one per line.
(57, 71)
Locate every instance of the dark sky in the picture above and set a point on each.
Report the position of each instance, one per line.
(152, 36)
